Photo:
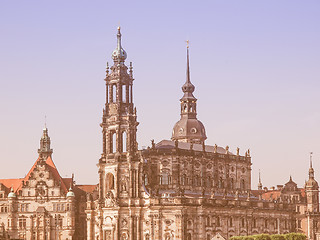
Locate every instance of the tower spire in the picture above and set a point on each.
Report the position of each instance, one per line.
(119, 55)
(119, 122)
(188, 67)
(311, 170)
(189, 128)
(45, 151)
(260, 183)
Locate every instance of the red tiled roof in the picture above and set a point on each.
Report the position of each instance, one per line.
(275, 194)
(16, 184)
(12, 183)
(271, 195)
(67, 182)
(87, 188)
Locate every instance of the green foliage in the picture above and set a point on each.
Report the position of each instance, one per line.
(277, 237)
(262, 237)
(236, 238)
(248, 238)
(288, 236)
(295, 236)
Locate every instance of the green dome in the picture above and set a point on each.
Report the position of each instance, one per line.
(70, 193)
(11, 194)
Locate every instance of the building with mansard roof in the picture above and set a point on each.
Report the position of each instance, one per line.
(182, 188)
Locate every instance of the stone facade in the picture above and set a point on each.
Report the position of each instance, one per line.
(182, 188)
(178, 189)
(42, 205)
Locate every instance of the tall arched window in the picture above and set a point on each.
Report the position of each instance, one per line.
(188, 236)
(183, 179)
(147, 237)
(254, 223)
(109, 181)
(185, 108)
(242, 184)
(242, 222)
(220, 182)
(114, 142)
(266, 223)
(218, 223)
(208, 184)
(208, 223)
(114, 93)
(231, 183)
(124, 93)
(231, 222)
(124, 141)
(165, 178)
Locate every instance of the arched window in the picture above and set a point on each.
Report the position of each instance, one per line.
(183, 179)
(254, 223)
(185, 108)
(109, 181)
(231, 183)
(208, 223)
(285, 224)
(208, 184)
(266, 223)
(114, 93)
(124, 141)
(242, 222)
(147, 237)
(231, 222)
(220, 182)
(188, 236)
(196, 181)
(124, 93)
(114, 143)
(242, 184)
(208, 236)
(218, 222)
(165, 178)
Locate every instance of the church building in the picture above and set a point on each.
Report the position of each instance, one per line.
(182, 188)
(176, 189)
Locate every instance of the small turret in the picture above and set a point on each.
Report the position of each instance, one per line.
(70, 194)
(312, 190)
(45, 151)
(11, 194)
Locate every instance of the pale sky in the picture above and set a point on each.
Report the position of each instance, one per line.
(255, 65)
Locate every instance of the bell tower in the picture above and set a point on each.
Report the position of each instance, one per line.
(119, 165)
(119, 121)
(117, 173)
